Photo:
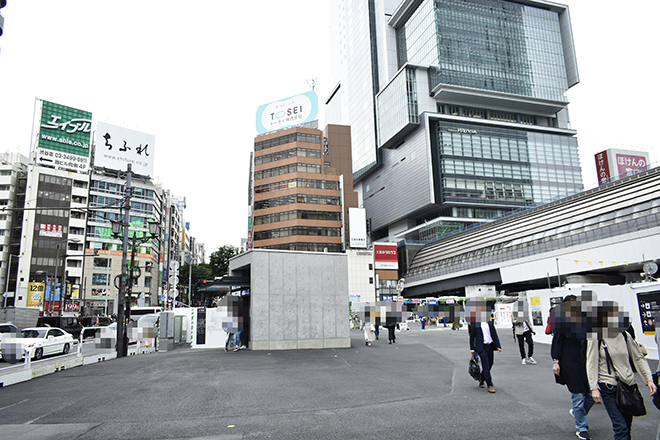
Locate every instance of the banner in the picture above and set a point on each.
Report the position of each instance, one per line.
(117, 146)
(288, 112)
(35, 297)
(386, 256)
(64, 137)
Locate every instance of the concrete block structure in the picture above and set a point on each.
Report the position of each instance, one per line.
(298, 300)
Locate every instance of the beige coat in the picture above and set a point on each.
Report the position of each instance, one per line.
(618, 349)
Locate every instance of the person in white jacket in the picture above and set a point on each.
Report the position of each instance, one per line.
(369, 332)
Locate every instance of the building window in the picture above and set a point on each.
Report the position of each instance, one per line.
(99, 279)
(147, 282)
(371, 266)
(326, 164)
(371, 280)
(101, 263)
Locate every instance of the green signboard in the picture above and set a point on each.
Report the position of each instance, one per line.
(65, 129)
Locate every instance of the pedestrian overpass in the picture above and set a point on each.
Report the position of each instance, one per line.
(608, 234)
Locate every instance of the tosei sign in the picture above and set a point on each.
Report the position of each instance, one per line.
(386, 256)
(288, 112)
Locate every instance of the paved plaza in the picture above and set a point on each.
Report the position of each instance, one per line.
(416, 388)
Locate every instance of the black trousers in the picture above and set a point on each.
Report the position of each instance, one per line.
(487, 359)
(527, 336)
(391, 332)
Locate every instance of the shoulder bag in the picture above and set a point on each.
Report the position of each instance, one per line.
(628, 398)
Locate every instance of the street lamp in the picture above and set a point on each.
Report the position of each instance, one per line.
(57, 260)
(126, 280)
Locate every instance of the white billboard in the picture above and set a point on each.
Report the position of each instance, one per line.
(117, 146)
(357, 228)
(294, 110)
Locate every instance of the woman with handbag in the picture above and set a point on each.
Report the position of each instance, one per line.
(609, 358)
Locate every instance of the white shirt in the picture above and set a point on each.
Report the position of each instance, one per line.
(488, 338)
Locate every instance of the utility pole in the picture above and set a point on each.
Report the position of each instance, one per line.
(122, 341)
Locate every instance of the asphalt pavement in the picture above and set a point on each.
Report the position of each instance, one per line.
(416, 388)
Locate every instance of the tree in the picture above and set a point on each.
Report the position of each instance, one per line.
(220, 259)
(200, 272)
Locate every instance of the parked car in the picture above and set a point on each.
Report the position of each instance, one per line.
(98, 337)
(95, 321)
(7, 330)
(144, 331)
(69, 324)
(42, 341)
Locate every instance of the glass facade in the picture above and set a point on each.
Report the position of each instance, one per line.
(296, 198)
(297, 230)
(505, 166)
(287, 139)
(487, 44)
(297, 215)
(397, 105)
(296, 183)
(293, 152)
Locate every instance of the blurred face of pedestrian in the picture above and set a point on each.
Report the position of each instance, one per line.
(520, 311)
(609, 319)
(476, 310)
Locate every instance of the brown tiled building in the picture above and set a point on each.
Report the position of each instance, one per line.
(297, 197)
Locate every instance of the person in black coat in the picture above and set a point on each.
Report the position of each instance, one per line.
(568, 356)
(483, 339)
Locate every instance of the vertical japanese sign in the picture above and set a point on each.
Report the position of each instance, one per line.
(357, 227)
(64, 137)
(602, 167)
(117, 146)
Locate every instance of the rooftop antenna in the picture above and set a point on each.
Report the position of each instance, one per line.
(311, 83)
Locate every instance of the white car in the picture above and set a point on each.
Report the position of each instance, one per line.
(43, 341)
(7, 330)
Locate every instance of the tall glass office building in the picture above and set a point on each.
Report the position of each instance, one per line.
(458, 109)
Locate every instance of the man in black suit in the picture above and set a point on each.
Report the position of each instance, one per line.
(483, 338)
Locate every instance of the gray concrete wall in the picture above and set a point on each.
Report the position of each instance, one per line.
(298, 299)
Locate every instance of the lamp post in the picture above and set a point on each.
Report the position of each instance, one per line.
(126, 280)
(57, 262)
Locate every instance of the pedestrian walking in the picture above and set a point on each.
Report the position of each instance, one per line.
(568, 360)
(423, 323)
(522, 331)
(369, 335)
(376, 330)
(609, 360)
(483, 339)
(230, 338)
(391, 332)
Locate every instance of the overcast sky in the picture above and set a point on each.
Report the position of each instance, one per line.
(193, 74)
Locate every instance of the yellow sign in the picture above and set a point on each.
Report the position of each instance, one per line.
(535, 300)
(35, 296)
